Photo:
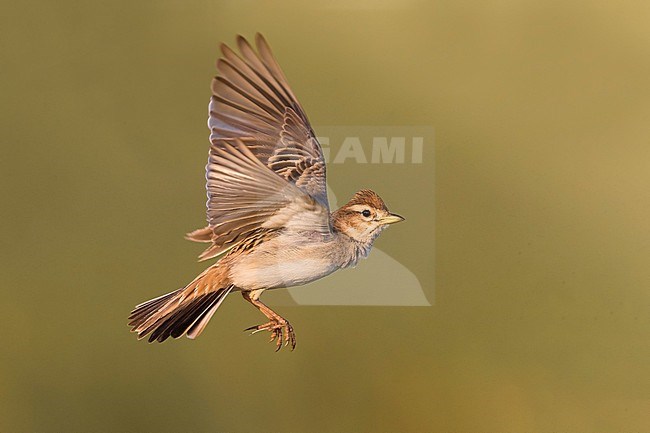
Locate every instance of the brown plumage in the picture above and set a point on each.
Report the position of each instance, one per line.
(267, 210)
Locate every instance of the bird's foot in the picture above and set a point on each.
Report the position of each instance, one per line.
(280, 330)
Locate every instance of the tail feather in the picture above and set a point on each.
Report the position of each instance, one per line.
(162, 328)
(183, 311)
(146, 309)
(199, 325)
(177, 323)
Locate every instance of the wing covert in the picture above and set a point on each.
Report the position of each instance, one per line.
(246, 199)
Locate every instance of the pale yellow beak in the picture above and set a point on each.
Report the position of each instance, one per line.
(391, 219)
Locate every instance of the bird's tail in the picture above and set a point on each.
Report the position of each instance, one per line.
(184, 311)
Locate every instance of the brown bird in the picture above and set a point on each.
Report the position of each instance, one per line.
(268, 214)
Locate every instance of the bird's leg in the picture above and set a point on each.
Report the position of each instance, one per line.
(278, 326)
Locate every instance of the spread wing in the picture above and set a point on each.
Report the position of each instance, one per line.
(252, 101)
(248, 201)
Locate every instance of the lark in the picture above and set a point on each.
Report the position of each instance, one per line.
(269, 221)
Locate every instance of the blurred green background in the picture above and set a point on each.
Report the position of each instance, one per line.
(541, 233)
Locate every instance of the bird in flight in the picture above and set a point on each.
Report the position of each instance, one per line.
(269, 221)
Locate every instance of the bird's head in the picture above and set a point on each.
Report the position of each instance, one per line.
(364, 217)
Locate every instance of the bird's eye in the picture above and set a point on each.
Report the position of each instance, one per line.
(366, 213)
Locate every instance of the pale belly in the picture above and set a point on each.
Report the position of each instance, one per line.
(282, 263)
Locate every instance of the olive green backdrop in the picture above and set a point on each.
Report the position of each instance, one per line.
(541, 233)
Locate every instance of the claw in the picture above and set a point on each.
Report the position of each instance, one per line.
(278, 342)
(280, 331)
(255, 329)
